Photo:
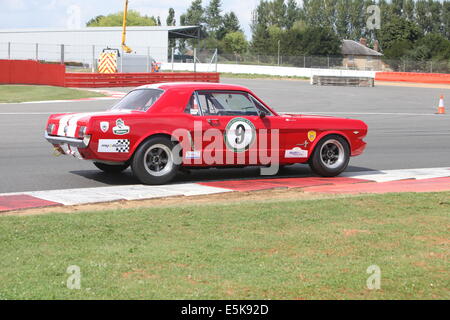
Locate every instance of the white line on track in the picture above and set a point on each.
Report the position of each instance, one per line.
(362, 113)
(28, 113)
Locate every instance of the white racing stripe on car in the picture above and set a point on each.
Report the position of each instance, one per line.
(73, 122)
(62, 124)
(132, 192)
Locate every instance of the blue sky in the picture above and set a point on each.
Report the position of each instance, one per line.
(17, 14)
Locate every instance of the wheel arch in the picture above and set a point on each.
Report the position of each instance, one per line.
(147, 137)
(329, 133)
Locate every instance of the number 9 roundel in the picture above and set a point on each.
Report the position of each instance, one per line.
(240, 133)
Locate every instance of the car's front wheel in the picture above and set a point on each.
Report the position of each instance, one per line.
(110, 168)
(153, 162)
(331, 156)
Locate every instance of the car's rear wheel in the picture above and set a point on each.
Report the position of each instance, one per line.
(331, 156)
(110, 168)
(153, 162)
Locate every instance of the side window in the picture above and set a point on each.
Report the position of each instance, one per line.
(193, 106)
(261, 107)
(227, 103)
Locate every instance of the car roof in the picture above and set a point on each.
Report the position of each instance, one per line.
(193, 86)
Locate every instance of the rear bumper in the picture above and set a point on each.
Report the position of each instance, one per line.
(73, 142)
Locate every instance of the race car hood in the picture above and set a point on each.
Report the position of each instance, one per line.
(67, 124)
(330, 121)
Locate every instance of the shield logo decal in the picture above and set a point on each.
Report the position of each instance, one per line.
(104, 126)
(312, 136)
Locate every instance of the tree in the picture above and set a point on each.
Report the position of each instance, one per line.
(423, 16)
(158, 21)
(321, 41)
(292, 13)
(342, 18)
(329, 8)
(409, 8)
(230, 23)
(277, 10)
(194, 16)
(438, 47)
(213, 17)
(260, 23)
(134, 18)
(357, 21)
(94, 20)
(446, 19)
(170, 21)
(398, 48)
(398, 29)
(312, 12)
(397, 7)
(235, 42)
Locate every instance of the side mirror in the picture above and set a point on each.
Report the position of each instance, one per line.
(262, 113)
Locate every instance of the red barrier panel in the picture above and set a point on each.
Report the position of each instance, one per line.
(413, 77)
(52, 74)
(135, 79)
(5, 66)
(31, 72)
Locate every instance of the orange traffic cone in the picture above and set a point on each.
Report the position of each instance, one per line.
(441, 108)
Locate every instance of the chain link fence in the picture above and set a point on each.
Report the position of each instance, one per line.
(85, 59)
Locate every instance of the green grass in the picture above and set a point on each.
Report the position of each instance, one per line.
(24, 93)
(251, 250)
(259, 76)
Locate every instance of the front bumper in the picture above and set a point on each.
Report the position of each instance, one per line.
(73, 142)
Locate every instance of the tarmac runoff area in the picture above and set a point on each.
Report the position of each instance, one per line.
(404, 133)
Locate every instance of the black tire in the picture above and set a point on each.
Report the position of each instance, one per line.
(330, 157)
(110, 168)
(153, 163)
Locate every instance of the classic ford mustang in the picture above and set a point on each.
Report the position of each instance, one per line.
(161, 128)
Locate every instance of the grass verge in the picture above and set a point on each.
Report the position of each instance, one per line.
(285, 249)
(25, 93)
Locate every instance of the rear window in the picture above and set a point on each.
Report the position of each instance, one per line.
(141, 100)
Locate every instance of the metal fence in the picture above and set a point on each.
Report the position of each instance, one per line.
(333, 62)
(85, 59)
(82, 58)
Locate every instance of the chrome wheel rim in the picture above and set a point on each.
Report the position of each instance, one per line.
(332, 154)
(158, 160)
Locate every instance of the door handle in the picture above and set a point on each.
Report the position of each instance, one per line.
(213, 122)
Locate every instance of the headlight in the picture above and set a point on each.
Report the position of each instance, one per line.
(50, 128)
(82, 132)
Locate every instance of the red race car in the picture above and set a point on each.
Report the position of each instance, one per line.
(158, 129)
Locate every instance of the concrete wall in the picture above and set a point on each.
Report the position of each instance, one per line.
(266, 70)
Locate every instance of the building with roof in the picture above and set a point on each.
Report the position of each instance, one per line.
(358, 56)
(82, 45)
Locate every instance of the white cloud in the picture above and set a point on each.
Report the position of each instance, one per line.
(15, 4)
(53, 13)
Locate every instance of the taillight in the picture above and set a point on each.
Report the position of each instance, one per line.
(82, 132)
(50, 128)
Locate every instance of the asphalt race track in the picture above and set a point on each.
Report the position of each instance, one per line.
(404, 133)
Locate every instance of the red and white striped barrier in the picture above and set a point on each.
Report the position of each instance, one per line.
(408, 180)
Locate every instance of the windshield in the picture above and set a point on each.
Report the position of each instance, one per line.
(140, 100)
